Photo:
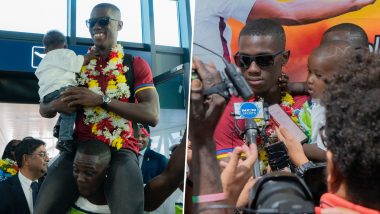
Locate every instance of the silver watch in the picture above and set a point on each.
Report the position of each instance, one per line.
(106, 100)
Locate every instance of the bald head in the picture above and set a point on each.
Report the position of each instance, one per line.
(334, 50)
(348, 32)
(115, 10)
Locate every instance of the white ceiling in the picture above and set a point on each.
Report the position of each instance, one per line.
(21, 120)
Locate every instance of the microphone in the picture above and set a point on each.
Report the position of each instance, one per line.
(250, 111)
(232, 78)
(251, 131)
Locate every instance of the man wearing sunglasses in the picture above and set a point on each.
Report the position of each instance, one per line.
(261, 56)
(18, 193)
(124, 185)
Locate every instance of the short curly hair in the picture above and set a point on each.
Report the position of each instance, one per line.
(353, 127)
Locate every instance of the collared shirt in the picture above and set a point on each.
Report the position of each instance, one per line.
(141, 156)
(25, 184)
(318, 119)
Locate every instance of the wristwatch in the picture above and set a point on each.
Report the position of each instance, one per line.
(300, 171)
(106, 100)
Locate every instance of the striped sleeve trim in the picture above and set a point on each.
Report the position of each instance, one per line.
(143, 87)
(223, 153)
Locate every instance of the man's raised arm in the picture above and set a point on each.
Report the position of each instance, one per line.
(298, 12)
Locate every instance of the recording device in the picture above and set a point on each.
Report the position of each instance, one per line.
(281, 118)
(315, 179)
(278, 157)
(280, 192)
(233, 82)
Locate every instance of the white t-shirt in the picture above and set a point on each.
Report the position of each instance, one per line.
(86, 205)
(57, 69)
(318, 119)
(206, 26)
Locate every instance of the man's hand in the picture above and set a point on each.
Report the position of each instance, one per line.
(204, 111)
(237, 171)
(283, 82)
(295, 150)
(75, 96)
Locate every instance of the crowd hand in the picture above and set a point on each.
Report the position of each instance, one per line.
(295, 150)
(75, 96)
(205, 111)
(237, 171)
(283, 82)
(243, 199)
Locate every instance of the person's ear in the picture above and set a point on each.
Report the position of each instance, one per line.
(334, 177)
(24, 160)
(119, 25)
(285, 57)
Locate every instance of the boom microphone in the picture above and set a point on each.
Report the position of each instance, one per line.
(234, 81)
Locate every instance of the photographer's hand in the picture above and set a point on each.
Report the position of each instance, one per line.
(237, 171)
(295, 150)
(204, 111)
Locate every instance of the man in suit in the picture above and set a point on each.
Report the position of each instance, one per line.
(150, 162)
(18, 193)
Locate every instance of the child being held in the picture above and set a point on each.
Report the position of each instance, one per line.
(323, 63)
(55, 73)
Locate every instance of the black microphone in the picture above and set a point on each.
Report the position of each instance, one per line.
(251, 131)
(233, 80)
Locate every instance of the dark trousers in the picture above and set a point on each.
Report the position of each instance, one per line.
(123, 188)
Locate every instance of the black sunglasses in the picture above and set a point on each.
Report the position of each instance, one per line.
(262, 60)
(104, 21)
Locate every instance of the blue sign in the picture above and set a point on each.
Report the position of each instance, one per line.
(249, 110)
(25, 56)
(38, 53)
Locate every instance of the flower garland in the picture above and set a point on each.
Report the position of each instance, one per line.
(8, 168)
(107, 126)
(287, 102)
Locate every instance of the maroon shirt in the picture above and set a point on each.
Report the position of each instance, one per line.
(143, 80)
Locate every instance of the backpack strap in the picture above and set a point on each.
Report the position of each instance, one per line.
(130, 75)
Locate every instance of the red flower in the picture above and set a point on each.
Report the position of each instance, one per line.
(105, 124)
(110, 77)
(287, 109)
(113, 55)
(124, 99)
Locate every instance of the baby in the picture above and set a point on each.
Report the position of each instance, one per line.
(55, 73)
(323, 63)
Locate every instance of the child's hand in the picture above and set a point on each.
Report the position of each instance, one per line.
(89, 56)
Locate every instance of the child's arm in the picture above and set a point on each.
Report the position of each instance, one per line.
(294, 88)
(313, 152)
(298, 88)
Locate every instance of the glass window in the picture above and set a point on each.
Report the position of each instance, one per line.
(37, 16)
(130, 15)
(166, 22)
